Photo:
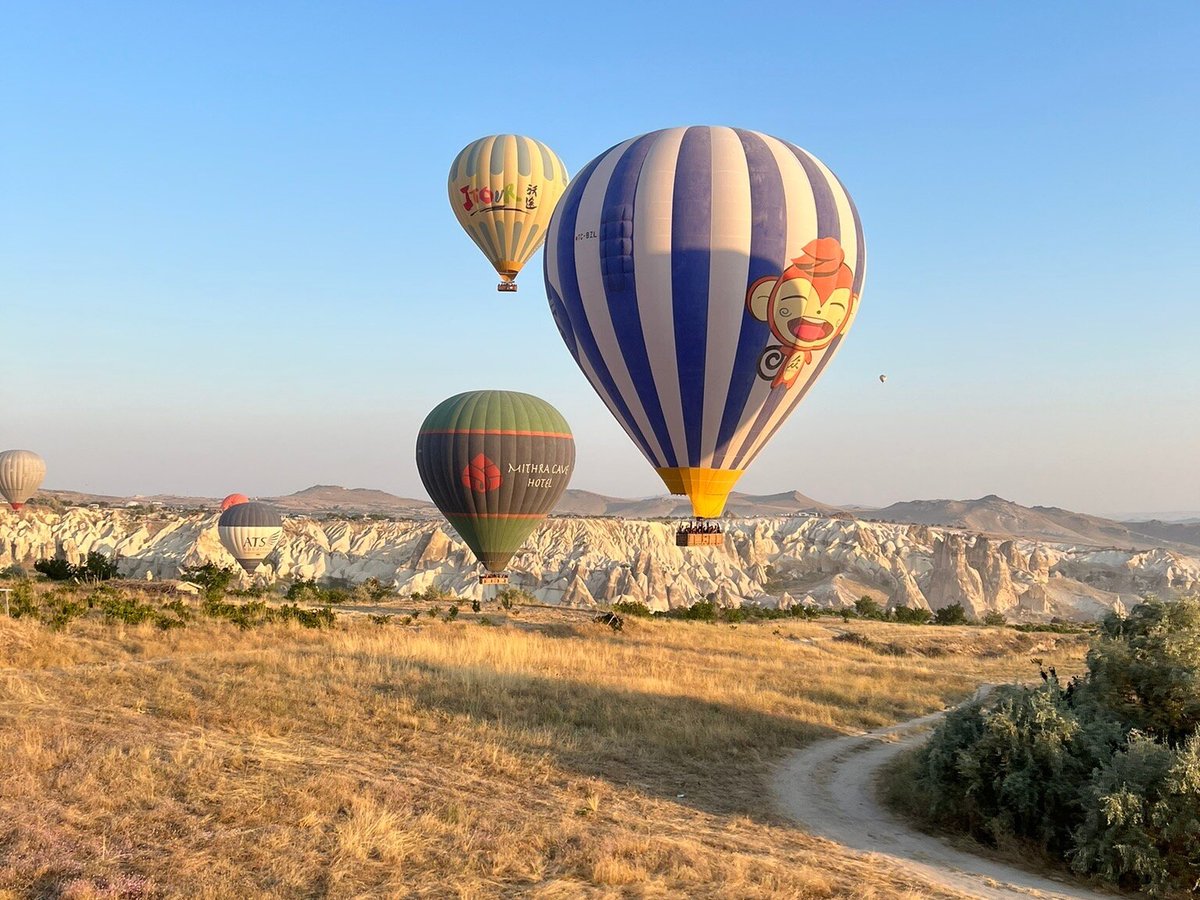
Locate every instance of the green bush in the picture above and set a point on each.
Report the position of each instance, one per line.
(511, 596)
(1104, 771)
(954, 614)
(97, 567)
(372, 591)
(700, 611)
(23, 601)
(632, 608)
(906, 616)
(868, 608)
(1141, 829)
(310, 590)
(123, 608)
(1146, 668)
(59, 610)
(994, 618)
(55, 569)
(434, 595)
(212, 579)
(308, 618)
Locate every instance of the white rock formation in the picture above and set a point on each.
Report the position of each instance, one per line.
(586, 562)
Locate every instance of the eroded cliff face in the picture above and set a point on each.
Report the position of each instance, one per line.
(586, 562)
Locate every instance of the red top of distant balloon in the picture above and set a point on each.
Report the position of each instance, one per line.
(233, 500)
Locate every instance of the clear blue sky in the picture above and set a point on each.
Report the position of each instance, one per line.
(227, 261)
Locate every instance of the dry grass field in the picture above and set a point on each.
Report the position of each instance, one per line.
(543, 756)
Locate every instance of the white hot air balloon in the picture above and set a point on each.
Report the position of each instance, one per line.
(882, 379)
(21, 474)
(250, 531)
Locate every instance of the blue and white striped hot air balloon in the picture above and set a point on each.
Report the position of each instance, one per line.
(703, 278)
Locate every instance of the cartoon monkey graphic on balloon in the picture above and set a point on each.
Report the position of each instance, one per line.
(806, 306)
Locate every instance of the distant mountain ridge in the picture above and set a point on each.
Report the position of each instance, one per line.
(997, 516)
(587, 503)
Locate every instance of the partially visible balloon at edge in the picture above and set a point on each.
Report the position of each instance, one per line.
(233, 500)
(21, 474)
(503, 189)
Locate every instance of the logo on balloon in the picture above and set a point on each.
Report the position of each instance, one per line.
(806, 307)
(489, 200)
(481, 475)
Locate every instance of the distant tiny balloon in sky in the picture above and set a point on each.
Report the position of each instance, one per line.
(882, 379)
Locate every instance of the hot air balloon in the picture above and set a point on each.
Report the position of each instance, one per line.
(233, 500)
(703, 279)
(495, 463)
(503, 190)
(21, 474)
(250, 531)
(883, 379)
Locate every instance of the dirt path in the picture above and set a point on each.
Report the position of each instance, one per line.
(829, 788)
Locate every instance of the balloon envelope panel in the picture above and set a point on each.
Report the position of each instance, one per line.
(233, 500)
(495, 463)
(703, 279)
(21, 474)
(503, 189)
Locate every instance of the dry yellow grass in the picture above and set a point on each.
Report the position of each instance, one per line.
(545, 757)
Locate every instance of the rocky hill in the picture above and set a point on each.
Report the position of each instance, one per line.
(594, 561)
(997, 516)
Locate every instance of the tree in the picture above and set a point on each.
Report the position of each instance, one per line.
(212, 578)
(869, 608)
(1146, 668)
(954, 614)
(1142, 823)
(906, 615)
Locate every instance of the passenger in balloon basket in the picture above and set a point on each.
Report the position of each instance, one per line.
(807, 307)
(697, 527)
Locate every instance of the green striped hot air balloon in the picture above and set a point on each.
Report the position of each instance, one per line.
(495, 463)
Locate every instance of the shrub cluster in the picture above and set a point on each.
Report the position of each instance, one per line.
(56, 610)
(212, 579)
(335, 590)
(60, 607)
(1103, 771)
(254, 613)
(433, 595)
(511, 596)
(97, 567)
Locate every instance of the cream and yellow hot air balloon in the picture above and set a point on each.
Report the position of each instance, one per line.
(21, 474)
(503, 189)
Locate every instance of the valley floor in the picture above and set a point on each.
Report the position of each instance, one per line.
(540, 755)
